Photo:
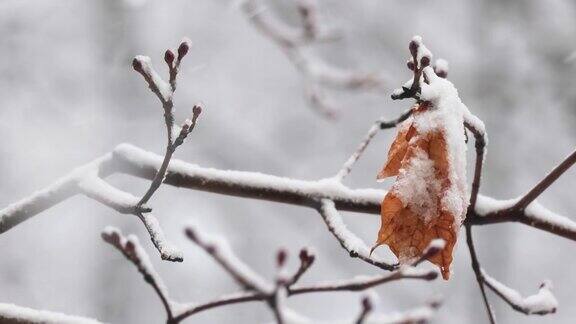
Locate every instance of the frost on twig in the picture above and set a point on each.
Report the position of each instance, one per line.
(540, 303)
(295, 42)
(13, 314)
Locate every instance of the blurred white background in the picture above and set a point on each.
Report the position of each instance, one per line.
(68, 95)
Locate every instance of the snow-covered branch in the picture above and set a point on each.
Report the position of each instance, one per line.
(541, 303)
(256, 287)
(295, 43)
(13, 314)
(348, 240)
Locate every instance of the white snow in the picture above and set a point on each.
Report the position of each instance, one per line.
(163, 86)
(535, 211)
(417, 186)
(325, 188)
(442, 65)
(423, 51)
(541, 302)
(142, 261)
(100, 190)
(168, 250)
(10, 313)
(337, 226)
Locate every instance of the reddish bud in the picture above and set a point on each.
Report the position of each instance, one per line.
(441, 73)
(304, 256)
(137, 65)
(191, 234)
(425, 61)
(366, 304)
(413, 48)
(183, 49)
(281, 257)
(169, 57)
(410, 65)
(196, 110)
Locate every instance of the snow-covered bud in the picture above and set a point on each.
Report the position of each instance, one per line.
(281, 258)
(413, 47)
(183, 48)
(185, 128)
(169, 57)
(137, 65)
(425, 61)
(441, 68)
(196, 110)
(410, 65)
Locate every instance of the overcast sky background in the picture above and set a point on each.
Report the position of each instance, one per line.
(68, 95)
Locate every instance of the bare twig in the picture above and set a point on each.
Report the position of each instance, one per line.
(478, 273)
(306, 261)
(293, 42)
(546, 182)
(366, 309)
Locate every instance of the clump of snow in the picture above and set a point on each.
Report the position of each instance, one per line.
(442, 65)
(542, 302)
(422, 52)
(417, 187)
(163, 86)
(167, 250)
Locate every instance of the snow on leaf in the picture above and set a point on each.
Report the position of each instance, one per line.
(428, 200)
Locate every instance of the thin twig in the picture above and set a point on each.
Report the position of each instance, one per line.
(478, 273)
(378, 125)
(546, 182)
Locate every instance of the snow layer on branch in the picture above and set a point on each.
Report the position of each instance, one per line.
(224, 254)
(167, 249)
(98, 189)
(541, 303)
(140, 257)
(326, 188)
(10, 313)
(423, 51)
(336, 224)
(534, 211)
(163, 86)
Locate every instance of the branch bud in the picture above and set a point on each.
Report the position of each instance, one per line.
(413, 48)
(183, 48)
(169, 57)
(366, 303)
(410, 65)
(137, 65)
(425, 61)
(281, 258)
